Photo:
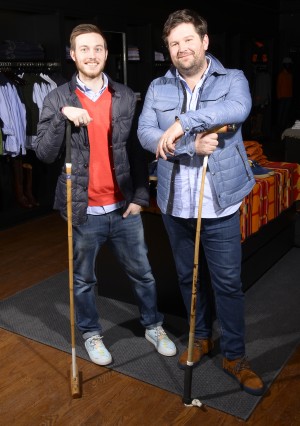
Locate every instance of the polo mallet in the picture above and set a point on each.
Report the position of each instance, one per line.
(188, 372)
(74, 374)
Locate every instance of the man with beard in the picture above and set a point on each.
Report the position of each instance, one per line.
(178, 123)
(109, 186)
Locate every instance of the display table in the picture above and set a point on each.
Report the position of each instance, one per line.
(291, 140)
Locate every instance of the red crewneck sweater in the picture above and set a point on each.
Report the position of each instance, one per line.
(103, 188)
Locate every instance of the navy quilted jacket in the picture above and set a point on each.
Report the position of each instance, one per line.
(128, 156)
(224, 99)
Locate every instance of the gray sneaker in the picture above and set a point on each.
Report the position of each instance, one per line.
(158, 337)
(97, 350)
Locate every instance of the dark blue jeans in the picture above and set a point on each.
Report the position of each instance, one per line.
(125, 238)
(220, 244)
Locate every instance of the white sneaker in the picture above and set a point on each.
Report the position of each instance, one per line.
(158, 337)
(97, 350)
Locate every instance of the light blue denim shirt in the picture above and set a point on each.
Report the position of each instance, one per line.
(97, 210)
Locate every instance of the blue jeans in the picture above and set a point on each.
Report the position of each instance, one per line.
(220, 245)
(125, 238)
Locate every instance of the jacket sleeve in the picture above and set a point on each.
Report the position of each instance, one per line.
(50, 130)
(224, 99)
(148, 130)
(221, 104)
(138, 170)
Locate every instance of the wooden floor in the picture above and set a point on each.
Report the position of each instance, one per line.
(34, 378)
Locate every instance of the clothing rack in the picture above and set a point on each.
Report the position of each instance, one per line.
(29, 64)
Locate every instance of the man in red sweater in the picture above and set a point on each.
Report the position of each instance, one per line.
(109, 186)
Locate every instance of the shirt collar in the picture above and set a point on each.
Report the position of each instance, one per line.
(201, 79)
(88, 91)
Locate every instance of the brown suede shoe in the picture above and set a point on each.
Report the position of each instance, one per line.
(201, 347)
(240, 370)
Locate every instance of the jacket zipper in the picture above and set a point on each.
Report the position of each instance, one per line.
(238, 150)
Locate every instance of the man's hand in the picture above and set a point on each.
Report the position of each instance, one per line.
(206, 143)
(132, 209)
(79, 116)
(167, 142)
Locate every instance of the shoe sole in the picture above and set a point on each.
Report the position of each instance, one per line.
(154, 344)
(102, 364)
(97, 362)
(255, 392)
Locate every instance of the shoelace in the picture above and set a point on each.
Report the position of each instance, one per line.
(96, 341)
(199, 343)
(160, 332)
(243, 364)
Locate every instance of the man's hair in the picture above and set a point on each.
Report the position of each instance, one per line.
(184, 16)
(85, 29)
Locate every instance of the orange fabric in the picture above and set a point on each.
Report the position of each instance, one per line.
(268, 198)
(280, 185)
(245, 218)
(292, 180)
(103, 188)
(255, 151)
(256, 202)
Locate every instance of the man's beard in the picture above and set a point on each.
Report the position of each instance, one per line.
(191, 68)
(90, 73)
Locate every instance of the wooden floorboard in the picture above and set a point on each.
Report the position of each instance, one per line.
(35, 378)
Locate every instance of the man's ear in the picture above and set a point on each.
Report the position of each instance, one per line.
(205, 42)
(72, 54)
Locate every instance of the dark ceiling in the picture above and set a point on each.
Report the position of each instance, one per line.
(281, 6)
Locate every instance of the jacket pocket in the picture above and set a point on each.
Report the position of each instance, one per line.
(166, 111)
